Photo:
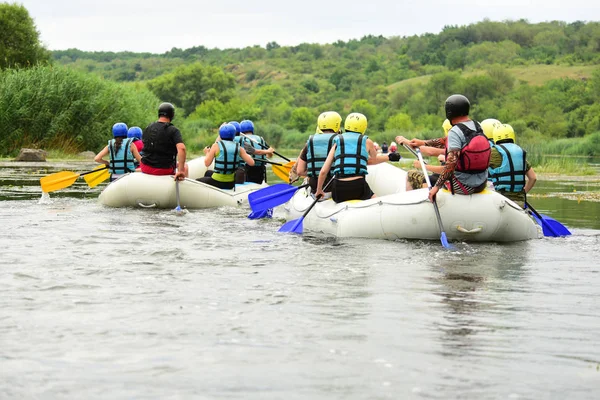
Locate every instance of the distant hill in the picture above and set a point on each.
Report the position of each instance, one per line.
(508, 70)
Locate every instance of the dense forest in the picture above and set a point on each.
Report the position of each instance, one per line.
(543, 79)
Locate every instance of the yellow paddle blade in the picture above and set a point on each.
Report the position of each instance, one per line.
(283, 171)
(101, 174)
(57, 181)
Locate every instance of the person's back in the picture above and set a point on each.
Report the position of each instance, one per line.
(135, 133)
(471, 166)
(348, 160)
(123, 153)
(163, 146)
(509, 171)
(467, 151)
(384, 147)
(226, 154)
(256, 145)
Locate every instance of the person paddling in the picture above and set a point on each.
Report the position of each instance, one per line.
(226, 154)
(348, 158)
(256, 146)
(164, 150)
(317, 147)
(123, 153)
(467, 151)
(509, 171)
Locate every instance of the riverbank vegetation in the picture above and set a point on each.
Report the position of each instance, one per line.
(543, 79)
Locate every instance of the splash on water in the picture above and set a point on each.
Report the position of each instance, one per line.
(45, 199)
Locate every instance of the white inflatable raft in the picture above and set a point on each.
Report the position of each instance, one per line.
(151, 191)
(397, 214)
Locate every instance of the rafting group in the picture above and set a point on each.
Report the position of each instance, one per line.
(344, 173)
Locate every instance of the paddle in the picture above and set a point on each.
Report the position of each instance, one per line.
(407, 147)
(550, 227)
(443, 238)
(96, 177)
(272, 196)
(264, 147)
(282, 171)
(295, 225)
(177, 209)
(63, 179)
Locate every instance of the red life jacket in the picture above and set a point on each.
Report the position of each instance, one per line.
(475, 155)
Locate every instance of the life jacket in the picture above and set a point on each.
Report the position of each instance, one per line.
(121, 162)
(474, 157)
(351, 155)
(257, 146)
(317, 149)
(227, 160)
(160, 151)
(510, 175)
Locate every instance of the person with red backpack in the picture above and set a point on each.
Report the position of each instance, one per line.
(467, 151)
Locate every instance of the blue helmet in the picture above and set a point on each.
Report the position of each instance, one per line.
(227, 132)
(119, 130)
(135, 132)
(237, 127)
(246, 126)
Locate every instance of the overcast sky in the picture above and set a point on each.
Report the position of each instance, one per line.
(158, 26)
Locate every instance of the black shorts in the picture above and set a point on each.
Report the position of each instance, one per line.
(256, 174)
(357, 189)
(221, 185)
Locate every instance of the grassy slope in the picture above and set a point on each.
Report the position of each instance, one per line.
(533, 74)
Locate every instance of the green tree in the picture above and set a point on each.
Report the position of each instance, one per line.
(302, 118)
(19, 40)
(399, 122)
(191, 85)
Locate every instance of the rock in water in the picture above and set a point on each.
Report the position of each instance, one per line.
(31, 155)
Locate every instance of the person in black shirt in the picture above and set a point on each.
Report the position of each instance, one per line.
(164, 149)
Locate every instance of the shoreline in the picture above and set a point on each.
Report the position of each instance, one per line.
(66, 164)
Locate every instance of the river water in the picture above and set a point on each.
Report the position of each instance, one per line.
(100, 303)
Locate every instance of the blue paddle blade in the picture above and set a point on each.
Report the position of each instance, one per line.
(444, 241)
(293, 226)
(552, 227)
(271, 196)
(268, 213)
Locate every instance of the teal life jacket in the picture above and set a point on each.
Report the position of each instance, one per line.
(351, 155)
(121, 162)
(510, 175)
(317, 149)
(240, 140)
(228, 159)
(257, 146)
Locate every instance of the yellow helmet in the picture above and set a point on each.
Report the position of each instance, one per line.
(356, 122)
(329, 120)
(488, 126)
(446, 126)
(504, 132)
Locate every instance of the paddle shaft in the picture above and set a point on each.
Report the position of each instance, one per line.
(95, 170)
(264, 146)
(269, 162)
(407, 147)
(435, 206)
(547, 225)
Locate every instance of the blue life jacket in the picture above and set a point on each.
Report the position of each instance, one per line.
(351, 155)
(510, 175)
(317, 149)
(257, 146)
(228, 158)
(121, 162)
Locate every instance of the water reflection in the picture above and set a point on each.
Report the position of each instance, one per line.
(475, 289)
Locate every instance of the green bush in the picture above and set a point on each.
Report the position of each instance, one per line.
(57, 108)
